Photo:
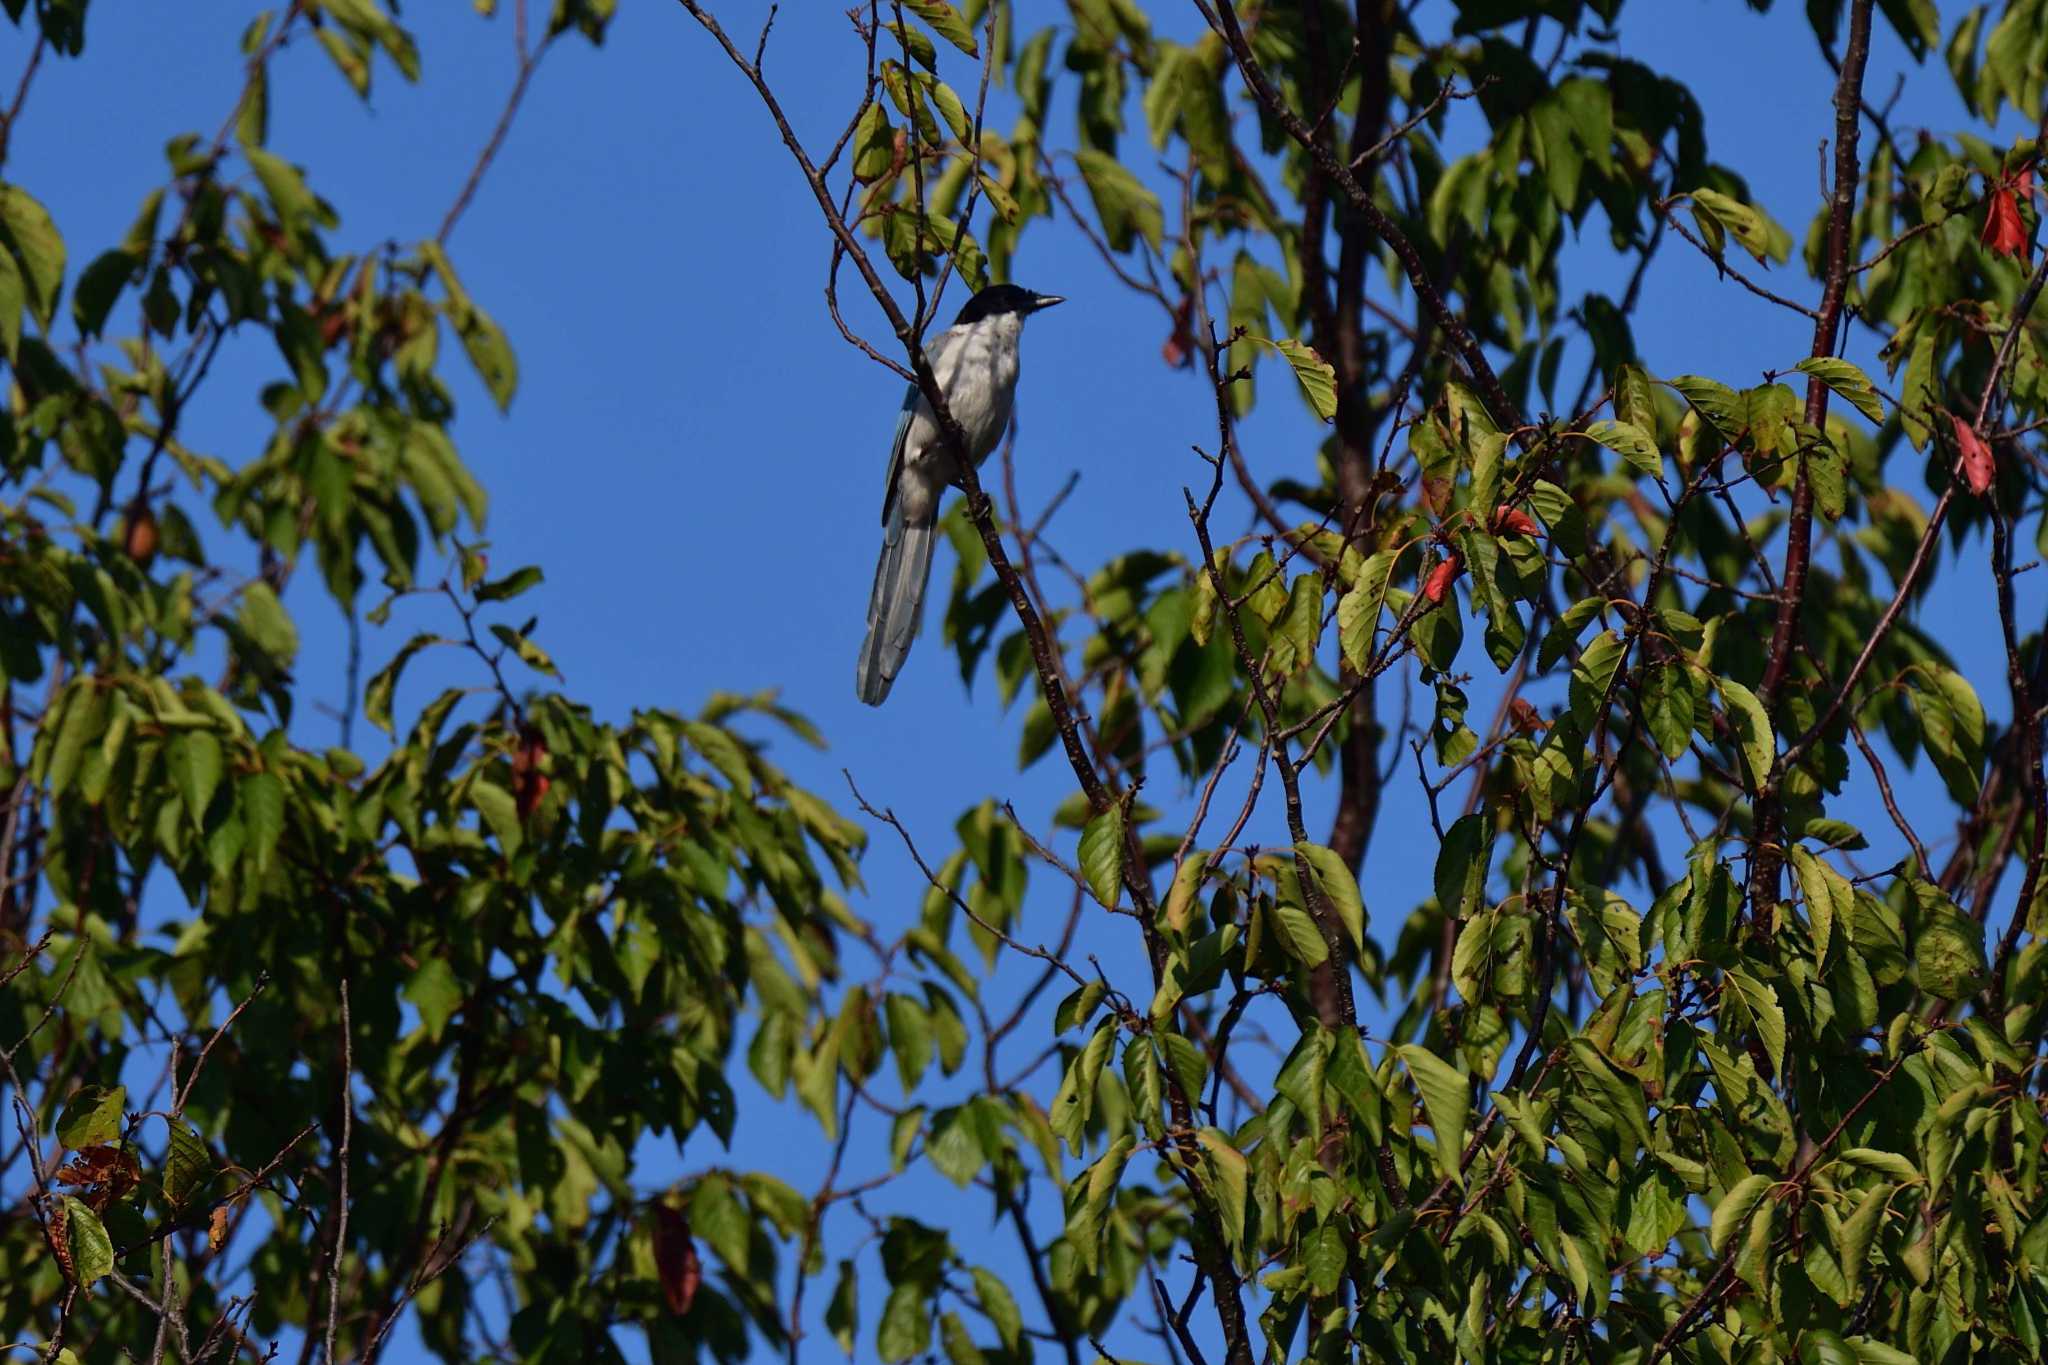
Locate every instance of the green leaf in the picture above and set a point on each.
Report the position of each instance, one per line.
(1127, 209)
(13, 300)
(1951, 726)
(946, 22)
(1561, 514)
(1668, 706)
(500, 814)
(1716, 402)
(1922, 391)
(722, 752)
(1745, 224)
(490, 354)
(1000, 1306)
(1228, 1182)
(1339, 888)
(92, 298)
(260, 797)
(1299, 935)
(1766, 1015)
(1185, 893)
(1079, 1006)
(1849, 381)
(1462, 864)
(26, 227)
(1446, 1097)
(1102, 855)
(1075, 1100)
(188, 1166)
(1949, 954)
(1877, 1159)
(842, 1314)
(1084, 1225)
(436, 993)
(1316, 376)
(1618, 1096)
(264, 618)
(1326, 1253)
(910, 1037)
(284, 186)
(195, 766)
(1828, 897)
(874, 144)
(914, 44)
(1652, 1209)
(92, 1251)
(92, 1116)
(1632, 443)
(1731, 1215)
(1753, 734)
(906, 1327)
(510, 586)
(1858, 1231)
(382, 688)
(1635, 398)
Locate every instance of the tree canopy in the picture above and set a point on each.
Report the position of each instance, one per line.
(1717, 1035)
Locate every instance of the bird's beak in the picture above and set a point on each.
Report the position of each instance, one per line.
(1044, 301)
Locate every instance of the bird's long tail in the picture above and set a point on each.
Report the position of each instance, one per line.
(896, 607)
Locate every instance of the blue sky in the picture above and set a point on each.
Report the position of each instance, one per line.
(696, 458)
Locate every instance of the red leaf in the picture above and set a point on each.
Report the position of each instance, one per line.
(529, 783)
(675, 1259)
(1977, 466)
(1513, 521)
(1179, 350)
(1525, 718)
(1442, 576)
(2003, 232)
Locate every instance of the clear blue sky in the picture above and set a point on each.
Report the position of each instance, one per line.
(694, 455)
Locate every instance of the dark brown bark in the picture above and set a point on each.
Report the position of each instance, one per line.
(1848, 170)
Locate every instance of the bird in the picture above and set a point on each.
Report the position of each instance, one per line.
(975, 364)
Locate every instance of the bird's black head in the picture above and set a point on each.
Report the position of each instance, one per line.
(1004, 298)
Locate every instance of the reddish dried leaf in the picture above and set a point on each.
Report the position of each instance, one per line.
(2003, 231)
(529, 783)
(675, 1259)
(57, 1228)
(217, 1229)
(102, 1174)
(141, 536)
(1442, 576)
(1977, 466)
(1513, 521)
(1525, 717)
(87, 1167)
(1179, 350)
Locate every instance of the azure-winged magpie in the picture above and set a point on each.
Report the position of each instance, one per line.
(975, 363)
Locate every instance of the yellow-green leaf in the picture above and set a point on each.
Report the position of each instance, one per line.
(1849, 381)
(1731, 1215)
(1318, 380)
(1102, 855)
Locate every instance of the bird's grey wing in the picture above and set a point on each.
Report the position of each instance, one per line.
(934, 352)
(903, 420)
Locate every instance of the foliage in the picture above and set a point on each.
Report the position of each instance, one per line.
(420, 1000)
(1664, 1070)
